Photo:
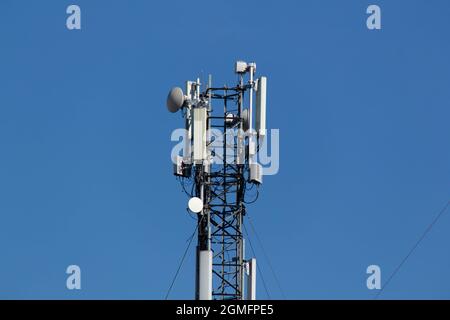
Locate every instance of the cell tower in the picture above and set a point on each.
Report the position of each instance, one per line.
(218, 164)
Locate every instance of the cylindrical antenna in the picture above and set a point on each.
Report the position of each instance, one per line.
(250, 122)
(209, 92)
(198, 89)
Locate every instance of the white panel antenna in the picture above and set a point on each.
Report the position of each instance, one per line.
(199, 147)
(190, 93)
(261, 93)
(205, 274)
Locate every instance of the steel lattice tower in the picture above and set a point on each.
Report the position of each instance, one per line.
(224, 186)
(217, 127)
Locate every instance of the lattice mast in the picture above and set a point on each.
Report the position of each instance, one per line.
(217, 166)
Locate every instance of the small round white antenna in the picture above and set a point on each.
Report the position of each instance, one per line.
(195, 204)
(175, 99)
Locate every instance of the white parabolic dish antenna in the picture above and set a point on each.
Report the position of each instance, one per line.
(175, 99)
(195, 204)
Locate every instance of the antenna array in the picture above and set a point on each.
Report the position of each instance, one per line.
(219, 165)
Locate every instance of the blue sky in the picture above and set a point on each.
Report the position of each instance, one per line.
(85, 172)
